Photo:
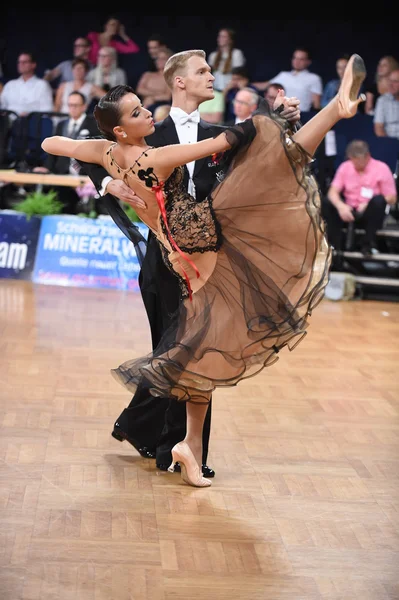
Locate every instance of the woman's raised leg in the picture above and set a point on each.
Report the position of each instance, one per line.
(343, 106)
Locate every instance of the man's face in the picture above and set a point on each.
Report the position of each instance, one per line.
(360, 162)
(80, 48)
(300, 60)
(198, 79)
(25, 64)
(243, 105)
(76, 106)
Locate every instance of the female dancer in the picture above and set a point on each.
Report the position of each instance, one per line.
(252, 259)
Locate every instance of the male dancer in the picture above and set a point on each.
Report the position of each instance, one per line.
(154, 425)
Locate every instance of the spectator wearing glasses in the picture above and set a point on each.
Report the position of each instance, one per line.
(78, 125)
(386, 116)
(107, 74)
(245, 103)
(28, 93)
(239, 79)
(63, 71)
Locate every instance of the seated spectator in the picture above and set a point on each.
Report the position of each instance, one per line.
(386, 116)
(239, 80)
(212, 110)
(161, 112)
(380, 84)
(78, 125)
(28, 93)
(299, 82)
(63, 71)
(331, 88)
(155, 43)
(245, 104)
(359, 193)
(152, 87)
(113, 30)
(107, 74)
(80, 69)
(225, 58)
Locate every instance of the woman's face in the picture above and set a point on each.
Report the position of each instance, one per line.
(106, 57)
(112, 26)
(384, 67)
(79, 72)
(136, 121)
(224, 38)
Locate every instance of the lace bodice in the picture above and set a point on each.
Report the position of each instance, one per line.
(192, 225)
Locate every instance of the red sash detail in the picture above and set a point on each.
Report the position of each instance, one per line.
(159, 194)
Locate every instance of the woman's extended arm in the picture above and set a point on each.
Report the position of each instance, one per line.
(91, 151)
(169, 157)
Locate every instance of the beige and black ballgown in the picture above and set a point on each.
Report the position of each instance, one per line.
(259, 246)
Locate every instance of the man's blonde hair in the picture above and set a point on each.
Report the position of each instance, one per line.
(177, 64)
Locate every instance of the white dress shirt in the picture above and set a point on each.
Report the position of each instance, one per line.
(301, 84)
(222, 79)
(187, 132)
(25, 96)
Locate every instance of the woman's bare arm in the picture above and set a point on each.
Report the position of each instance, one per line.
(169, 157)
(91, 151)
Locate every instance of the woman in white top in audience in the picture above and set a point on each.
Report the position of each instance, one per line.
(80, 69)
(225, 58)
(107, 74)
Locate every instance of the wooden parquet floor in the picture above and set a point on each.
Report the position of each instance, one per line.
(305, 502)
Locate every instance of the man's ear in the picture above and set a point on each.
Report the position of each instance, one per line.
(179, 82)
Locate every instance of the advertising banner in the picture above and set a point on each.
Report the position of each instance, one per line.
(18, 242)
(79, 252)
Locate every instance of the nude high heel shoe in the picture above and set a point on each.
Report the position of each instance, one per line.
(354, 75)
(190, 471)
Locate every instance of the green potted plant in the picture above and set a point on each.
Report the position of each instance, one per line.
(40, 204)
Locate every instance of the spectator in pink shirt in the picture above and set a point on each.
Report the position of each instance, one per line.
(360, 191)
(113, 28)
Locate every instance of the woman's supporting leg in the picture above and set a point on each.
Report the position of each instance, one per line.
(343, 106)
(196, 414)
(188, 452)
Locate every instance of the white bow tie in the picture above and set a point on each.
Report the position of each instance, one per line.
(194, 117)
